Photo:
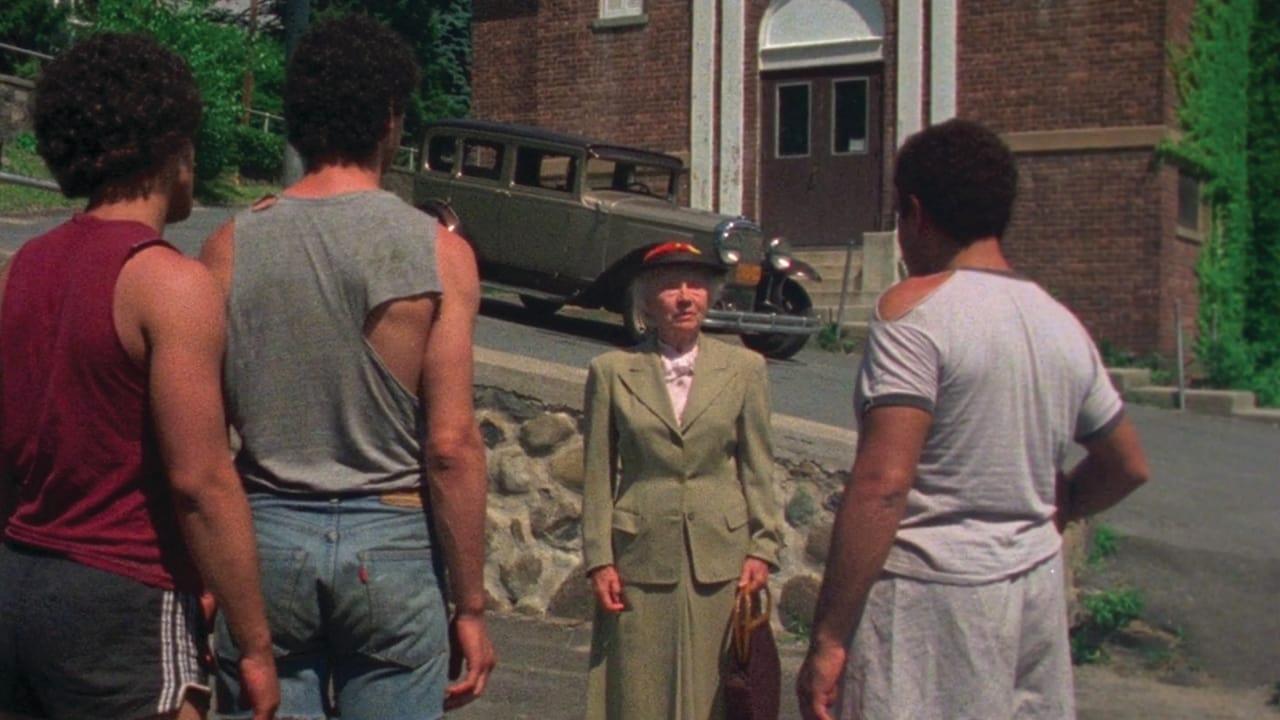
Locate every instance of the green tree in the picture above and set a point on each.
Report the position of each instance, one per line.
(219, 55)
(440, 33)
(37, 25)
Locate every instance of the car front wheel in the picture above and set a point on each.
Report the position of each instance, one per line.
(788, 299)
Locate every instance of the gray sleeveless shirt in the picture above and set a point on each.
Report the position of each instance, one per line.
(316, 410)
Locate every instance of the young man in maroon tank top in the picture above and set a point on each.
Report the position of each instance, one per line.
(118, 500)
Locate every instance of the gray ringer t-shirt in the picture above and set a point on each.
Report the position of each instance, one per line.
(1011, 379)
(316, 410)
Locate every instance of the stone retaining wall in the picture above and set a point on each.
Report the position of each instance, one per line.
(535, 509)
(529, 413)
(15, 111)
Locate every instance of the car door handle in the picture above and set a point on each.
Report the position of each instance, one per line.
(813, 178)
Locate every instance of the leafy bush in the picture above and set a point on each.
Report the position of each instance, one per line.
(831, 339)
(38, 25)
(261, 154)
(1107, 611)
(1114, 357)
(440, 33)
(219, 56)
(1104, 544)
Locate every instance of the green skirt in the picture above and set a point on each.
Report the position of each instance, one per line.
(663, 658)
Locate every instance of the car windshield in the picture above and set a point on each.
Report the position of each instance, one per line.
(626, 176)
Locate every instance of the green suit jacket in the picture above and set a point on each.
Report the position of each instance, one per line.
(650, 480)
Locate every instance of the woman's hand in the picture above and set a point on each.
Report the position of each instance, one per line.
(755, 573)
(608, 588)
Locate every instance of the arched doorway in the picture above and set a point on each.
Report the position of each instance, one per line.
(821, 144)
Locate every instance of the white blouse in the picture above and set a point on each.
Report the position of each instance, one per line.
(677, 373)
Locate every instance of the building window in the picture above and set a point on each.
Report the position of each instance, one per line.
(849, 116)
(620, 8)
(793, 120)
(1192, 212)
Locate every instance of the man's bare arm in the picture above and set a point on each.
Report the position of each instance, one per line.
(456, 476)
(182, 318)
(1114, 467)
(872, 506)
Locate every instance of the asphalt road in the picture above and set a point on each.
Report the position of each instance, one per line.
(1201, 541)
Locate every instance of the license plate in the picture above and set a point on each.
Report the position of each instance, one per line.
(748, 274)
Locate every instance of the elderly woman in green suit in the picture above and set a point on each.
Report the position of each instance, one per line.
(680, 508)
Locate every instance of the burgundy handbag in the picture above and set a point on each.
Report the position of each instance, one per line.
(754, 683)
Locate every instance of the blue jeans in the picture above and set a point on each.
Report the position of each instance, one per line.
(357, 614)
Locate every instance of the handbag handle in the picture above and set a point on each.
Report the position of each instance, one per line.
(750, 611)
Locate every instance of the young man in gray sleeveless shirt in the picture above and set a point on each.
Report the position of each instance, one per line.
(348, 379)
(944, 585)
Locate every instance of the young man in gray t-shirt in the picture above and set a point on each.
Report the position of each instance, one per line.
(943, 593)
(349, 381)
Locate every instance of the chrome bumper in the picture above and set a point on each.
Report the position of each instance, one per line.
(752, 322)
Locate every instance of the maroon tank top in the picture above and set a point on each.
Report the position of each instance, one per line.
(75, 425)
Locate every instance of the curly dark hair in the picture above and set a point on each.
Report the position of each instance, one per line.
(346, 79)
(111, 111)
(964, 176)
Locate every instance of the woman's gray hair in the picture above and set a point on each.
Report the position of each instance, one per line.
(642, 289)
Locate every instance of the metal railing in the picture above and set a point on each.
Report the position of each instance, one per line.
(23, 51)
(267, 119)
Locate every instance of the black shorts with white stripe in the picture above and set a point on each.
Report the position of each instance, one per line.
(76, 642)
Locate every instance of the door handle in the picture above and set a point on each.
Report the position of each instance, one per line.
(813, 178)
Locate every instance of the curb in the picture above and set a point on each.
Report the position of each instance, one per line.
(1134, 384)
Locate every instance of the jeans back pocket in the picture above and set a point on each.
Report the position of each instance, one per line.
(407, 616)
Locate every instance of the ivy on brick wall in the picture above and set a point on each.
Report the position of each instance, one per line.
(1219, 83)
(1263, 301)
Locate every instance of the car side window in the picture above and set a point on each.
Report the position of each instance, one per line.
(441, 153)
(545, 169)
(482, 159)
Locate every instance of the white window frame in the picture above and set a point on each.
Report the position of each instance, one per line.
(610, 9)
(777, 120)
(866, 120)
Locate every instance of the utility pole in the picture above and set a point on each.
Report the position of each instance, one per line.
(297, 15)
(248, 72)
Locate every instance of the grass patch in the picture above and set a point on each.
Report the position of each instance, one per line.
(20, 158)
(1114, 357)
(831, 339)
(1103, 545)
(230, 189)
(1106, 612)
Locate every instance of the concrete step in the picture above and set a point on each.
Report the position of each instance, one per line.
(1224, 403)
(1125, 379)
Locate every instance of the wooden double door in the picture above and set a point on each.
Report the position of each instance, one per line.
(821, 153)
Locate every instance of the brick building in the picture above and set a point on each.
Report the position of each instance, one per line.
(789, 111)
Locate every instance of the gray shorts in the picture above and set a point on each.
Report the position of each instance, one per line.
(81, 643)
(928, 651)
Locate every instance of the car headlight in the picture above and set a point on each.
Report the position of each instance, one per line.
(780, 262)
(730, 256)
